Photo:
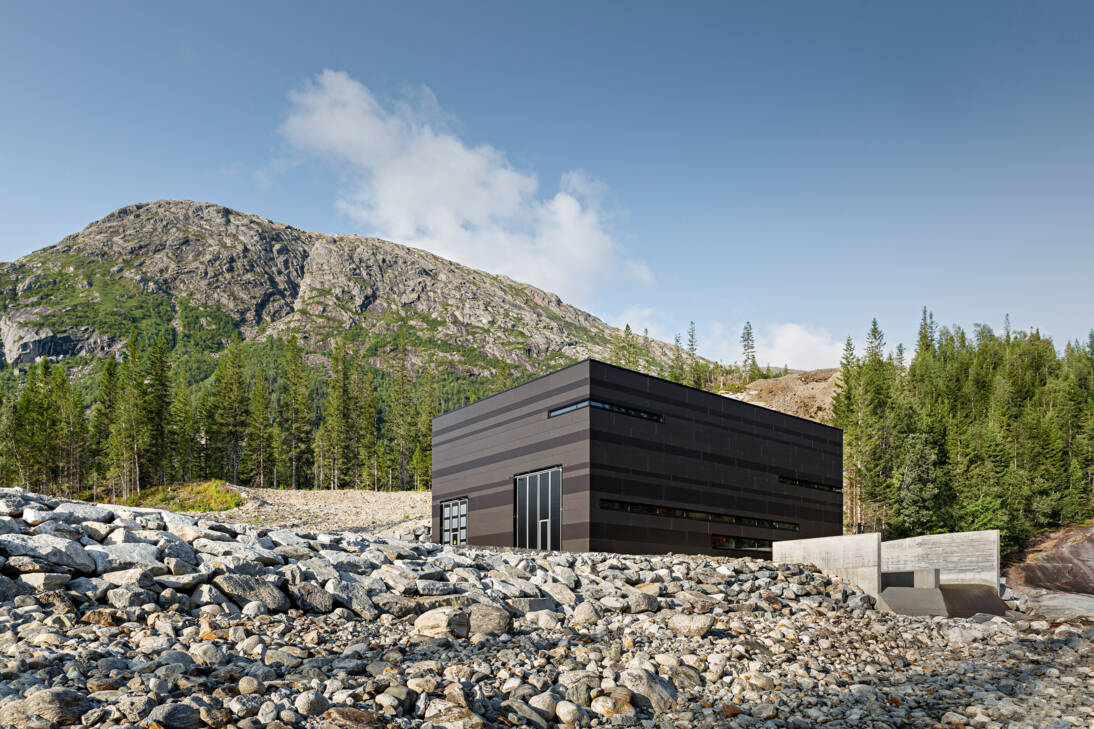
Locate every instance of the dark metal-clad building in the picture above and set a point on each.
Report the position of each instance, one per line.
(595, 457)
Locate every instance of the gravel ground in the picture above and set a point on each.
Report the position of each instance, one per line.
(378, 512)
(120, 617)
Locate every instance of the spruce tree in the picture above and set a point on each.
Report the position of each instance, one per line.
(128, 431)
(402, 419)
(102, 415)
(296, 413)
(257, 460)
(367, 417)
(748, 353)
(694, 372)
(182, 433)
(157, 404)
(226, 414)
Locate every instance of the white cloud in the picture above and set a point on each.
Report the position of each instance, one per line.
(408, 177)
(642, 318)
(798, 346)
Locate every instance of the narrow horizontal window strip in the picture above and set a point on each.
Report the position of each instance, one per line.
(744, 544)
(610, 407)
(675, 513)
(809, 484)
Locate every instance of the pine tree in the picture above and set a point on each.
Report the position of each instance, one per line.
(35, 424)
(402, 420)
(102, 415)
(336, 442)
(296, 413)
(694, 373)
(71, 433)
(257, 460)
(226, 412)
(182, 433)
(421, 462)
(748, 353)
(676, 369)
(157, 404)
(128, 432)
(368, 412)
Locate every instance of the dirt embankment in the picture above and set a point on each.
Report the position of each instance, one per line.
(380, 512)
(805, 394)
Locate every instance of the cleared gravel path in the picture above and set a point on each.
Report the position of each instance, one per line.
(380, 512)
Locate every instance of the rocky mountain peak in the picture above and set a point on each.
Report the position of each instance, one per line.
(203, 272)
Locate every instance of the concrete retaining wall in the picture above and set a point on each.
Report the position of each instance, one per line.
(964, 558)
(854, 557)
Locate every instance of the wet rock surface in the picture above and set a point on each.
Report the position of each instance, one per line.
(281, 628)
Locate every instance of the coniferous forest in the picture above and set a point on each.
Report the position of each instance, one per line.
(264, 417)
(979, 430)
(976, 431)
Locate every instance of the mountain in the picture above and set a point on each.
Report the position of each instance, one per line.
(200, 273)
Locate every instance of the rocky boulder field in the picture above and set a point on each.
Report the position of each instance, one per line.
(119, 617)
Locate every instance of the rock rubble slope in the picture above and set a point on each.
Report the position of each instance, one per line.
(113, 616)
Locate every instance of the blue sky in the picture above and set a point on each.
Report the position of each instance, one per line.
(804, 166)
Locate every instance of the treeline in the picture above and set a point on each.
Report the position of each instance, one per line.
(980, 431)
(270, 425)
(685, 366)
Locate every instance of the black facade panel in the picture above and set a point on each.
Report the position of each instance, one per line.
(735, 469)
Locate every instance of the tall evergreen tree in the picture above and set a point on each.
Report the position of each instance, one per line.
(296, 413)
(157, 396)
(128, 430)
(402, 421)
(102, 415)
(226, 412)
(367, 418)
(182, 433)
(748, 352)
(257, 461)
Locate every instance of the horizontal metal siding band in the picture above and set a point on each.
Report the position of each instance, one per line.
(631, 441)
(599, 372)
(570, 531)
(688, 499)
(543, 445)
(676, 403)
(487, 490)
(654, 523)
(836, 500)
(577, 389)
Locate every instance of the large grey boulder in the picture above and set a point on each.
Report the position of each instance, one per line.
(8, 589)
(310, 597)
(114, 557)
(56, 550)
(244, 589)
(691, 626)
(177, 716)
(353, 596)
(649, 689)
(60, 706)
(85, 512)
(10, 525)
(484, 618)
(253, 553)
(443, 622)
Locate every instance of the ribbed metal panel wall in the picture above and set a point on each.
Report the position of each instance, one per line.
(711, 454)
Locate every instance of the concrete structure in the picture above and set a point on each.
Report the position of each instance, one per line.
(954, 575)
(595, 457)
(854, 557)
(962, 558)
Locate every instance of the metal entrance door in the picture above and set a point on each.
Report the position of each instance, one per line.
(538, 518)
